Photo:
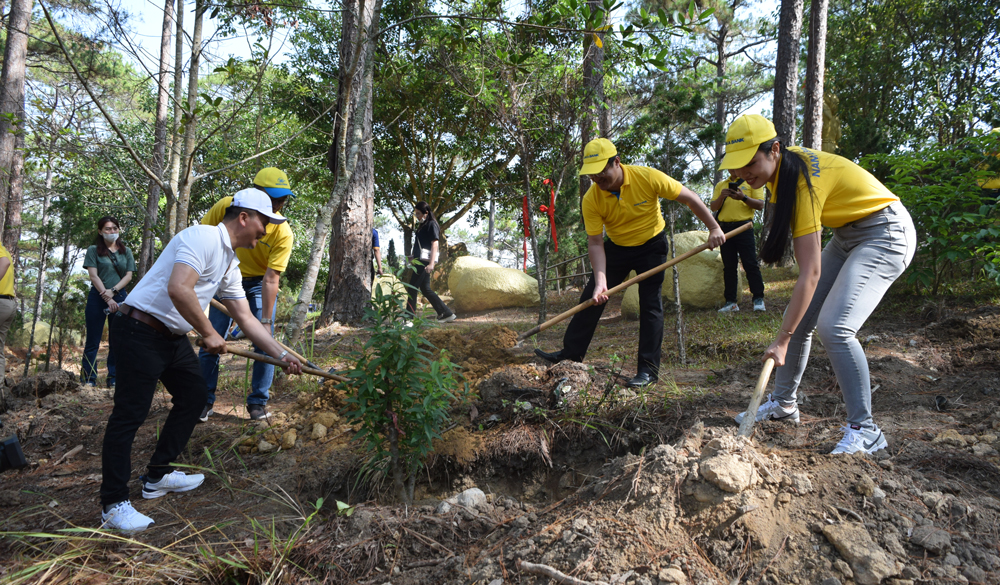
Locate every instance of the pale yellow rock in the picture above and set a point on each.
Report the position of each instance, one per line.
(389, 285)
(318, 431)
(701, 279)
(288, 439)
(266, 447)
(327, 419)
(478, 285)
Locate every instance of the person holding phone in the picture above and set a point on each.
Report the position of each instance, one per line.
(734, 204)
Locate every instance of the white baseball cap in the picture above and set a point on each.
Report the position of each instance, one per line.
(258, 201)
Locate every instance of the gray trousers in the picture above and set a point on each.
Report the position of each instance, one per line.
(858, 266)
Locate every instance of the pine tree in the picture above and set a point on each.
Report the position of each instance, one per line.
(391, 258)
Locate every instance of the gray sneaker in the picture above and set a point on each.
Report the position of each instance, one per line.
(205, 413)
(758, 305)
(730, 308)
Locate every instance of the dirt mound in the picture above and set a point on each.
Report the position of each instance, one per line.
(478, 354)
(984, 326)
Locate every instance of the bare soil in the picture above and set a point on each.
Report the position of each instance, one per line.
(580, 475)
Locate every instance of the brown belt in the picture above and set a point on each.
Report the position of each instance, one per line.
(144, 317)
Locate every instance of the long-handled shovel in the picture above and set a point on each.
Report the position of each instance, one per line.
(276, 362)
(758, 393)
(626, 284)
(298, 356)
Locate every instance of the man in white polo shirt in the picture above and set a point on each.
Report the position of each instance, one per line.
(171, 300)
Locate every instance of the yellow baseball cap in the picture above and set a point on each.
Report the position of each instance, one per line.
(274, 182)
(596, 155)
(743, 137)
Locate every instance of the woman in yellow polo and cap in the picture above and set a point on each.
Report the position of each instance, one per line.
(840, 285)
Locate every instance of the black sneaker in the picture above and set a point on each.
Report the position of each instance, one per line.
(258, 412)
(205, 413)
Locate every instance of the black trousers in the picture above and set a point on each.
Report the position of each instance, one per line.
(740, 248)
(421, 281)
(620, 261)
(144, 357)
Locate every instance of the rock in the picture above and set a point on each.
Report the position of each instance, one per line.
(910, 572)
(672, 574)
(288, 439)
(801, 483)
(52, 382)
(950, 438)
(318, 431)
(477, 285)
(865, 486)
(472, 498)
(933, 540)
(443, 507)
(952, 560)
(843, 568)
(390, 286)
(983, 450)
(830, 581)
(442, 272)
(893, 545)
(868, 561)
(699, 278)
(266, 447)
(327, 419)
(974, 574)
(9, 498)
(728, 473)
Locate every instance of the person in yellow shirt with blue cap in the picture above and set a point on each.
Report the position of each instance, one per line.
(838, 286)
(624, 202)
(735, 203)
(261, 268)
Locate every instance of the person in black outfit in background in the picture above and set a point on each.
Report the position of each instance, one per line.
(425, 253)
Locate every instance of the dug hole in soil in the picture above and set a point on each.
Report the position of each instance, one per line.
(558, 474)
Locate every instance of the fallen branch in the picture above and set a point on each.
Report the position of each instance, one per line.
(554, 574)
(69, 454)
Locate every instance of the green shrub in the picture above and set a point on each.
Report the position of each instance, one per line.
(400, 396)
(958, 234)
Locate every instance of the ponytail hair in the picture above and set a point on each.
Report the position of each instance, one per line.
(792, 166)
(425, 209)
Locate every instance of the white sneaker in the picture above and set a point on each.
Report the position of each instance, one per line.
(773, 410)
(175, 481)
(758, 305)
(123, 516)
(860, 439)
(730, 308)
(447, 318)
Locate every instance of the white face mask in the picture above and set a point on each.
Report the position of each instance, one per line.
(110, 237)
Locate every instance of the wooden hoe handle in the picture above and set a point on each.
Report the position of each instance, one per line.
(627, 283)
(276, 362)
(758, 394)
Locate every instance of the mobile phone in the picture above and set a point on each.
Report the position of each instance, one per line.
(734, 186)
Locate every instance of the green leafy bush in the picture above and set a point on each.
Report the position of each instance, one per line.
(400, 396)
(958, 233)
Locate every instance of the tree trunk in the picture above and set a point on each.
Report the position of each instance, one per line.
(594, 106)
(175, 133)
(786, 70)
(492, 228)
(42, 257)
(344, 152)
(56, 314)
(348, 287)
(12, 116)
(159, 143)
(15, 201)
(191, 124)
(812, 127)
(720, 99)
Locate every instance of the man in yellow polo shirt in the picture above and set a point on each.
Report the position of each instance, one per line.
(624, 201)
(261, 268)
(8, 305)
(735, 207)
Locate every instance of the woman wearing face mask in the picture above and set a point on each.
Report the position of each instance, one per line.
(110, 266)
(839, 285)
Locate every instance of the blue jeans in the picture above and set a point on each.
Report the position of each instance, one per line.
(95, 318)
(263, 374)
(858, 266)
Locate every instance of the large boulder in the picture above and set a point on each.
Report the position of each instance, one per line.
(389, 285)
(701, 280)
(478, 285)
(440, 278)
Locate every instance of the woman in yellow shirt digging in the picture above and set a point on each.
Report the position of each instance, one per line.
(840, 285)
